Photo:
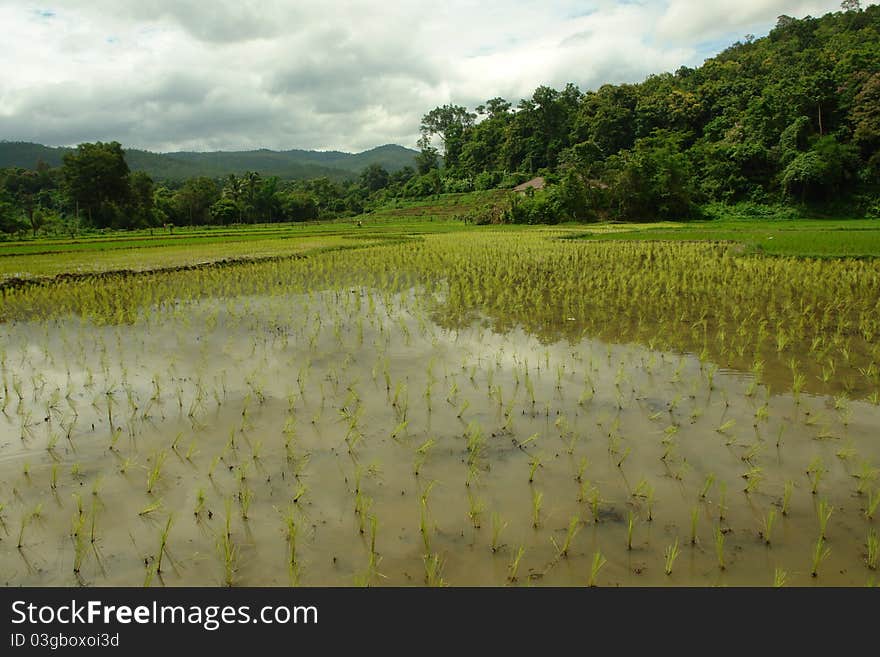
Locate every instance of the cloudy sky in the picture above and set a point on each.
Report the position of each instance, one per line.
(336, 74)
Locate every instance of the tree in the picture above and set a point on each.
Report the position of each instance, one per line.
(495, 108)
(23, 186)
(820, 173)
(449, 123)
(233, 189)
(10, 216)
(225, 211)
(851, 5)
(327, 194)
(267, 205)
(297, 206)
(374, 177)
(143, 201)
(193, 201)
(784, 21)
(400, 177)
(865, 115)
(607, 117)
(250, 184)
(427, 157)
(96, 177)
(654, 180)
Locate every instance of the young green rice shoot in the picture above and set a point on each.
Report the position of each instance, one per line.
(719, 547)
(779, 577)
(823, 511)
(671, 554)
(820, 554)
(513, 566)
(872, 549)
(767, 525)
(595, 567)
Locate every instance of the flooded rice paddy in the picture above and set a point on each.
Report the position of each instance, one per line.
(465, 410)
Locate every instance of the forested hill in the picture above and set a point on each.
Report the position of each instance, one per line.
(287, 165)
(793, 117)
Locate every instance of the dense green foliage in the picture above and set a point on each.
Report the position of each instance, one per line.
(96, 188)
(790, 118)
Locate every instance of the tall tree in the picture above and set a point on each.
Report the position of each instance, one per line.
(374, 177)
(96, 177)
(449, 123)
(142, 200)
(193, 201)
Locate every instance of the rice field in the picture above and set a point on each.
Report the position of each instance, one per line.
(481, 408)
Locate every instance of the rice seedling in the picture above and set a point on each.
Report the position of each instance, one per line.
(228, 550)
(823, 511)
(513, 566)
(719, 547)
(872, 549)
(866, 476)
(571, 532)
(767, 526)
(290, 528)
(671, 554)
(152, 507)
(200, 503)
(779, 577)
(816, 471)
(753, 477)
(725, 427)
(537, 503)
(163, 542)
(498, 526)
(434, 570)
(695, 516)
(598, 562)
(245, 497)
(156, 471)
(820, 554)
(786, 496)
(475, 510)
(24, 521)
(583, 464)
(424, 525)
(872, 503)
(534, 464)
(707, 485)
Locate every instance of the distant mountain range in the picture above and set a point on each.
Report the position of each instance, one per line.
(289, 165)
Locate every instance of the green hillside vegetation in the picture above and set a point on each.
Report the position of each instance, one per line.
(792, 118)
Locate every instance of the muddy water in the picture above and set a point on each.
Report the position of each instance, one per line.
(381, 433)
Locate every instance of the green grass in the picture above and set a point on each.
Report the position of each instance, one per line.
(804, 238)
(159, 248)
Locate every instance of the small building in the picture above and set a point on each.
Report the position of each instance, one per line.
(534, 183)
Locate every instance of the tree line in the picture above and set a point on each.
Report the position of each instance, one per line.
(792, 118)
(789, 119)
(94, 188)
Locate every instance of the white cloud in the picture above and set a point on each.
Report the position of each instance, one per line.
(347, 74)
(688, 21)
